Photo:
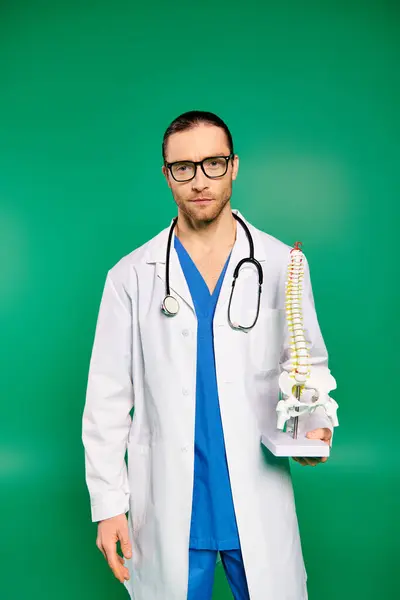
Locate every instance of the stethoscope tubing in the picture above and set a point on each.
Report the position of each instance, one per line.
(173, 303)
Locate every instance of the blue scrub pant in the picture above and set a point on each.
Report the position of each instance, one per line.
(201, 573)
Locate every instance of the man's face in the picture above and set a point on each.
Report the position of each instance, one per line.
(202, 141)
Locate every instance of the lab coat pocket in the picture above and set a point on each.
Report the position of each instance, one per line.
(266, 339)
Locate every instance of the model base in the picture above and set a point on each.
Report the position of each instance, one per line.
(281, 443)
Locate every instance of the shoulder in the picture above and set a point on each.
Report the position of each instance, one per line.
(126, 267)
(270, 246)
(273, 243)
(274, 248)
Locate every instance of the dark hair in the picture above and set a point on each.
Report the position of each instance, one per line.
(191, 119)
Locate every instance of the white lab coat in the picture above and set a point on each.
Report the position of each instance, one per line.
(144, 359)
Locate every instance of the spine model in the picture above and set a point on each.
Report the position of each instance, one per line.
(300, 357)
(302, 375)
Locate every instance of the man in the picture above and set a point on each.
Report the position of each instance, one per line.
(198, 480)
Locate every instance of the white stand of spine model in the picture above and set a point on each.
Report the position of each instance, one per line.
(301, 376)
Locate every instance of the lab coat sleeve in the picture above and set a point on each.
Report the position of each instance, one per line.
(109, 398)
(318, 353)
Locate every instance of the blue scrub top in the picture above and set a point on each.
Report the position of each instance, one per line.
(213, 524)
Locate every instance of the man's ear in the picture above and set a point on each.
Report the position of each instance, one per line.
(166, 174)
(235, 167)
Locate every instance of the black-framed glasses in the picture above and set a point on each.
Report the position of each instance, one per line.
(212, 167)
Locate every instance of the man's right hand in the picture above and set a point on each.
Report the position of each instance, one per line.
(109, 531)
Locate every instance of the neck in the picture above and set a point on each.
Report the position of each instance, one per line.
(207, 236)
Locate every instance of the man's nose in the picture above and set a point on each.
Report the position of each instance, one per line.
(200, 181)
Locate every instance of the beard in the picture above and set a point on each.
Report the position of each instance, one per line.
(204, 213)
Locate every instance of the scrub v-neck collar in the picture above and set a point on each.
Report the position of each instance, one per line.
(204, 300)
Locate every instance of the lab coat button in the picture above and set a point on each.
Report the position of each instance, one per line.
(185, 391)
(184, 448)
(185, 332)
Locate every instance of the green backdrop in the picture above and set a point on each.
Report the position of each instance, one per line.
(87, 88)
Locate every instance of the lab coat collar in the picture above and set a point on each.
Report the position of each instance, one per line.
(156, 249)
(156, 253)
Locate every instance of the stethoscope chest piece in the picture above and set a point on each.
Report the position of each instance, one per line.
(170, 306)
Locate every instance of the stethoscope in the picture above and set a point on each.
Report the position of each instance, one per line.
(170, 305)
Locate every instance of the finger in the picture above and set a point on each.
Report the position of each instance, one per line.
(300, 460)
(124, 542)
(322, 433)
(125, 569)
(112, 558)
(316, 434)
(312, 461)
(100, 547)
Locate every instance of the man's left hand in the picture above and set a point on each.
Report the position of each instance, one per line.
(324, 434)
